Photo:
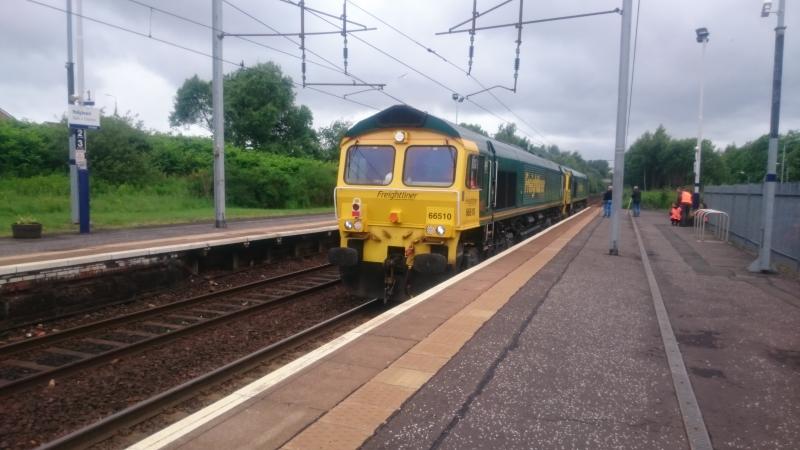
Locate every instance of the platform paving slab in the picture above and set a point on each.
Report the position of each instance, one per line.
(413, 371)
(738, 333)
(345, 379)
(15, 251)
(325, 386)
(264, 425)
(571, 361)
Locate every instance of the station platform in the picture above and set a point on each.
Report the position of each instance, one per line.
(19, 256)
(552, 344)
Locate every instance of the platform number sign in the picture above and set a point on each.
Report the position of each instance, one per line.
(80, 148)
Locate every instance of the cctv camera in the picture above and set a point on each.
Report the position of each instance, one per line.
(702, 34)
(765, 8)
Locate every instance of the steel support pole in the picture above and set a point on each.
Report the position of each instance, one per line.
(79, 88)
(73, 171)
(218, 118)
(763, 263)
(698, 154)
(83, 172)
(622, 120)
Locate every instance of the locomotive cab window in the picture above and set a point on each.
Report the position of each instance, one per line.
(433, 166)
(369, 164)
(474, 172)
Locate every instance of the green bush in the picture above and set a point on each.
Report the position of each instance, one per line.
(656, 199)
(128, 163)
(120, 153)
(181, 155)
(261, 180)
(28, 149)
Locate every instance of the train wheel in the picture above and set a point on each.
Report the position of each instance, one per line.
(466, 257)
(472, 257)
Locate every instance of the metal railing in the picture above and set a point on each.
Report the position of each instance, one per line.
(718, 221)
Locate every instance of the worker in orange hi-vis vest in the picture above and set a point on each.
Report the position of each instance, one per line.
(685, 200)
(675, 215)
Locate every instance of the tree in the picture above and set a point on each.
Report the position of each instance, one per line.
(508, 133)
(119, 152)
(476, 128)
(259, 111)
(657, 160)
(330, 137)
(600, 166)
(193, 104)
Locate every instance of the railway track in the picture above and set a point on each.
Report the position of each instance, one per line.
(27, 363)
(141, 411)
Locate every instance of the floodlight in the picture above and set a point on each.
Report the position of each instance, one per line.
(702, 34)
(765, 8)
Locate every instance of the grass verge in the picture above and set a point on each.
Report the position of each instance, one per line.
(46, 199)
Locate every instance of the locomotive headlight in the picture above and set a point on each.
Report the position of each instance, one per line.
(400, 137)
(358, 225)
(348, 224)
(430, 229)
(440, 230)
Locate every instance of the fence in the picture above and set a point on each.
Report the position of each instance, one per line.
(743, 204)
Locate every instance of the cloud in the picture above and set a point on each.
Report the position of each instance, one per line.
(567, 86)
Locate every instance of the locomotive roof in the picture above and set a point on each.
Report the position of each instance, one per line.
(404, 116)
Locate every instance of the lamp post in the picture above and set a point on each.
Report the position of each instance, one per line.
(458, 99)
(702, 37)
(115, 103)
(762, 264)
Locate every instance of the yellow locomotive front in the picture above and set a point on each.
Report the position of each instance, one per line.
(404, 195)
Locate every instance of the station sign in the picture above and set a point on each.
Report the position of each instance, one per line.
(80, 148)
(79, 116)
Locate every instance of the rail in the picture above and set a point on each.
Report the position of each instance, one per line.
(141, 411)
(719, 221)
(193, 314)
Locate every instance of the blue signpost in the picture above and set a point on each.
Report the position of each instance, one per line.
(83, 179)
(82, 118)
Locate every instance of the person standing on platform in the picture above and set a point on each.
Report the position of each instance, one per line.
(685, 200)
(636, 201)
(607, 203)
(675, 215)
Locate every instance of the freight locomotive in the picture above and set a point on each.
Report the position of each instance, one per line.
(418, 197)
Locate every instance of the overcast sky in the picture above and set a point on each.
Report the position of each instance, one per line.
(567, 92)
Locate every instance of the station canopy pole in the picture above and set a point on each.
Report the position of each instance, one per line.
(622, 120)
(73, 171)
(217, 116)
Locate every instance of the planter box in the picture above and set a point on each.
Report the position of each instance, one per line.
(26, 230)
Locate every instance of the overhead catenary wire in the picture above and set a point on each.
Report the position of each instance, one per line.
(432, 51)
(241, 64)
(185, 48)
(338, 68)
(435, 81)
(241, 38)
(633, 69)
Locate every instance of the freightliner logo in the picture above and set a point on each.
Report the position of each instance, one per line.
(397, 195)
